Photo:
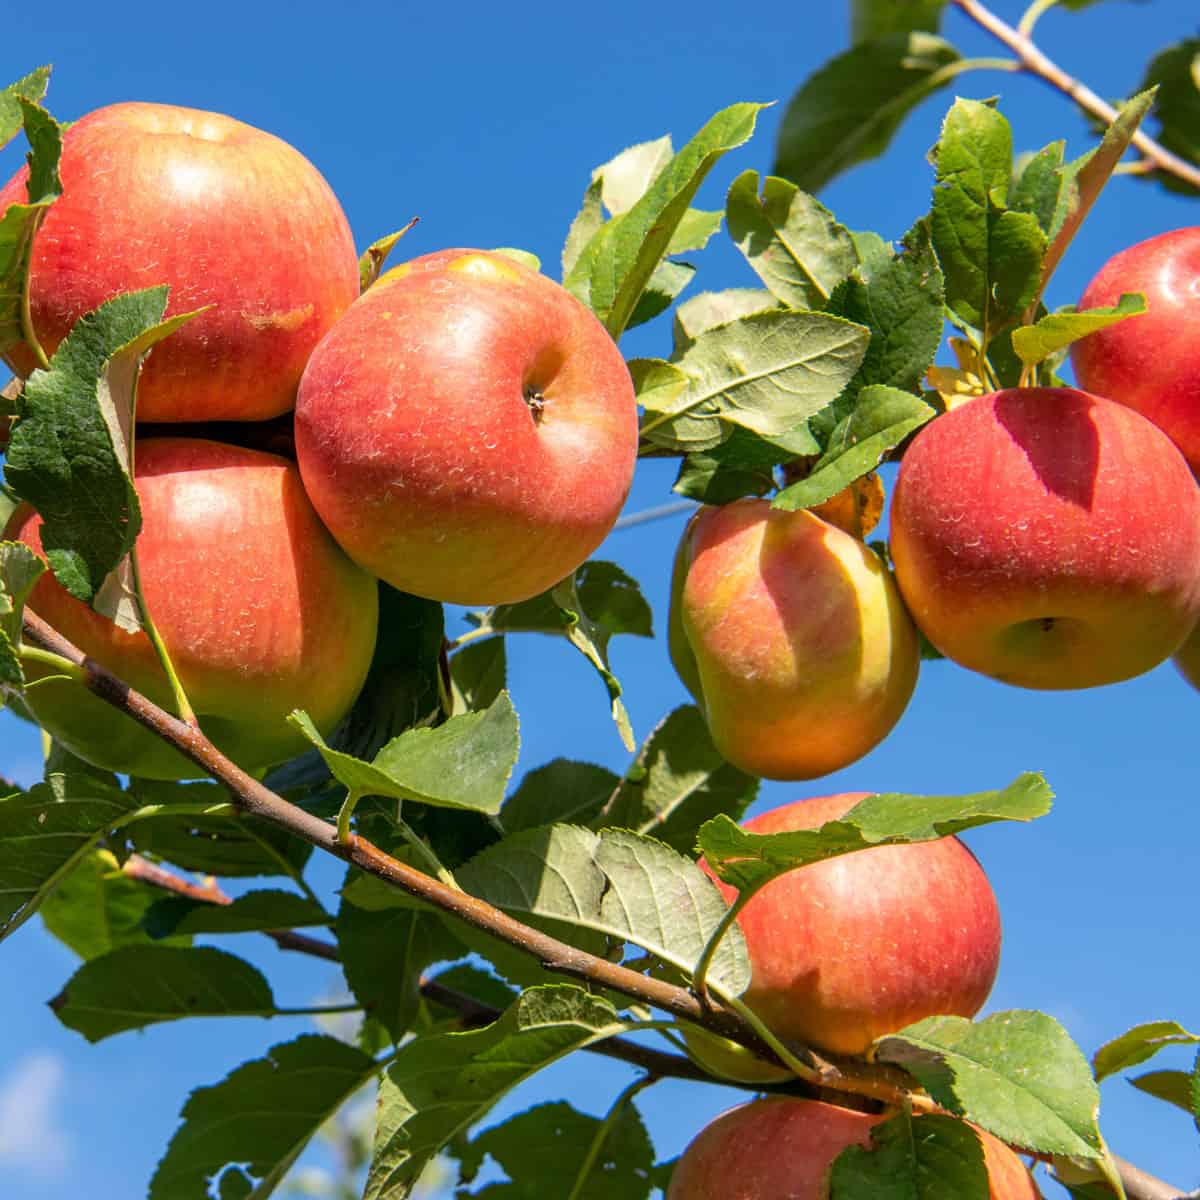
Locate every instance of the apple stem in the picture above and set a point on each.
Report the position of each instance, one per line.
(28, 333)
(183, 706)
(1034, 62)
(798, 1068)
(344, 815)
(1032, 15)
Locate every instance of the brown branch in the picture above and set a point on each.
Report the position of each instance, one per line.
(1035, 62)
(872, 1080)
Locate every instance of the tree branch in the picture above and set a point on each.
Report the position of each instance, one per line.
(853, 1076)
(1035, 62)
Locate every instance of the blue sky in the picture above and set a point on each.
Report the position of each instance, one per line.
(486, 120)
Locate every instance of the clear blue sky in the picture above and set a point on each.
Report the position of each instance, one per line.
(486, 120)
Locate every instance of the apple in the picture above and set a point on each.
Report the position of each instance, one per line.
(1187, 658)
(845, 951)
(1048, 538)
(260, 611)
(468, 430)
(783, 1148)
(228, 216)
(1150, 362)
(793, 637)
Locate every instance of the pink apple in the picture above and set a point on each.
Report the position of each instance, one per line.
(853, 948)
(468, 430)
(1048, 538)
(783, 1148)
(225, 214)
(792, 636)
(1150, 362)
(260, 610)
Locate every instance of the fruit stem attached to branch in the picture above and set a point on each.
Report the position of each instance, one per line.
(179, 697)
(1035, 62)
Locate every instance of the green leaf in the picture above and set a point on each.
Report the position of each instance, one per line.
(932, 1157)
(1085, 179)
(134, 986)
(478, 674)
(871, 19)
(709, 309)
(848, 111)
(1039, 185)
(213, 844)
(614, 268)
(678, 782)
(742, 465)
(440, 1085)
(69, 453)
(20, 569)
(991, 256)
(881, 419)
(749, 860)
(46, 831)
(97, 908)
(900, 300)
(471, 981)
(384, 954)
(616, 883)
(542, 1149)
(1175, 1087)
(625, 179)
(253, 912)
(463, 764)
(1016, 1074)
(562, 791)
(767, 372)
(370, 263)
(584, 227)
(1140, 1043)
(19, 222)
(790, 239)
(1175, 72)
(664, 287)
(260, 1116)
(31, 87)
(1035, 343)
(696, 230)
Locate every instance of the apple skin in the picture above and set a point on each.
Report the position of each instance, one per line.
(1048, 538)
(793, 636)
(782, 1148)
(1149, 362)
(1187, 658)
(468, 430)
(260, 610)
(848, 950)
(228, 216)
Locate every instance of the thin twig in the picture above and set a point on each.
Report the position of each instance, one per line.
(1035, 62)
(873, 1080)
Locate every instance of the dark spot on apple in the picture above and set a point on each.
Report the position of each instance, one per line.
(536, 401)
(1046, 623)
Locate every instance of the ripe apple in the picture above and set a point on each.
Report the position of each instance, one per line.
(782, 1148)
(1187, 658)
(793, 637)
(1149, 362)
(1048, 538)
(224, 213)
(845, 951)
(468, 430)
(260, 610)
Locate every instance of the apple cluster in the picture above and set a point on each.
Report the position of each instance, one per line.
(464, 430)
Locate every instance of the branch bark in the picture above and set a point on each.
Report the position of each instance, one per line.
(871, 1080)
(1035, 62)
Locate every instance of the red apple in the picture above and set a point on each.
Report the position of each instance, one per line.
(845, 951)
(791, 634)
(228, 216)
(1048, 538)
(1150, 362)
(260, 610)
(468, 430)
(783, 1148)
